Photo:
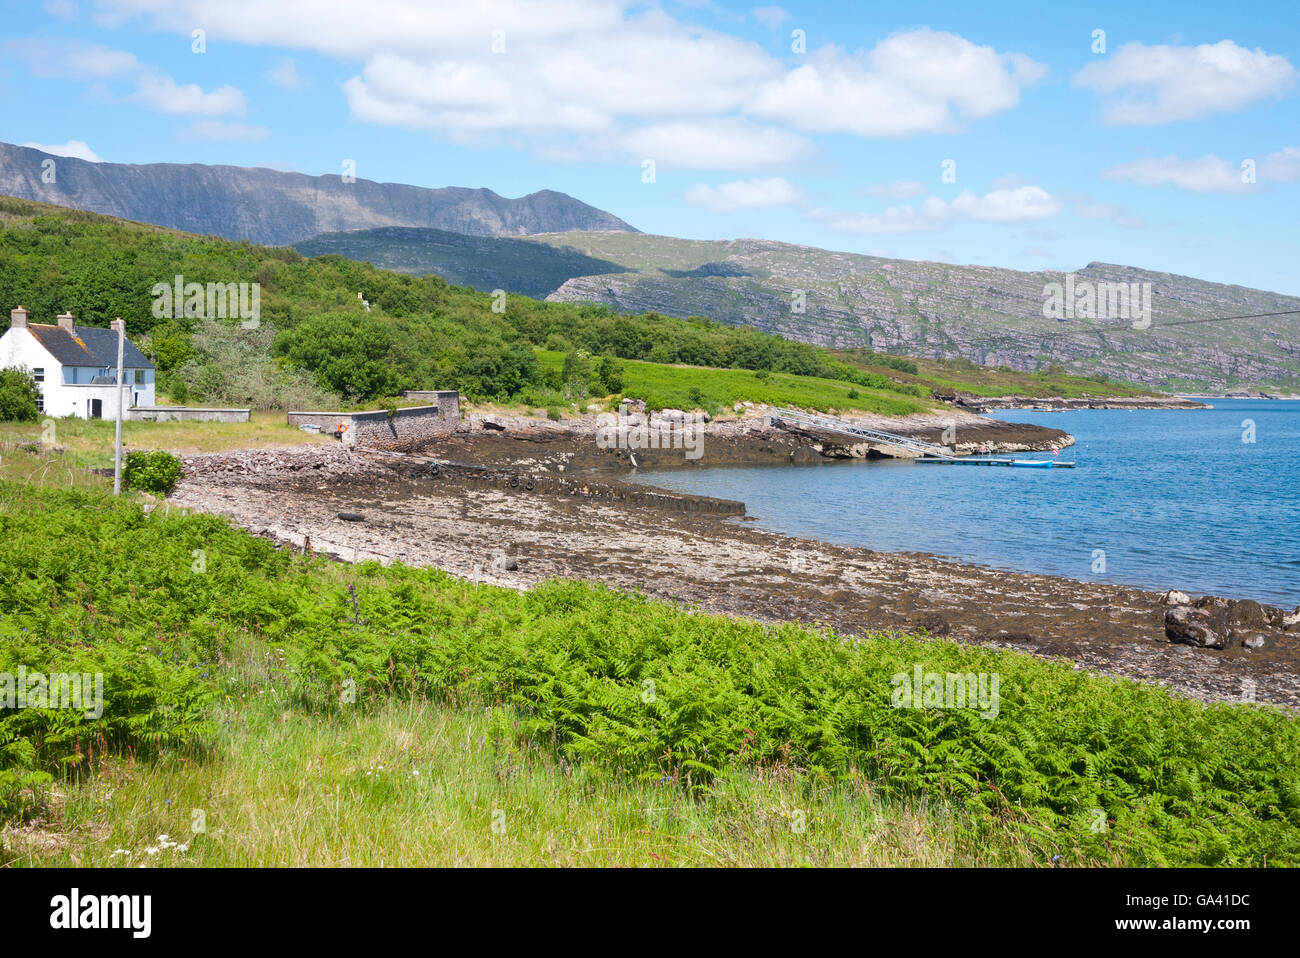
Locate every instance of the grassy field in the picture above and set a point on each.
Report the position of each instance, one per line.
(88, 443)
(293, 700)
(717, 390)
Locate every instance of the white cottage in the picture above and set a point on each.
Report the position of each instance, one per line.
(76, 366)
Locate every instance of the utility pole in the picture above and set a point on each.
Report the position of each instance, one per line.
(117, 441)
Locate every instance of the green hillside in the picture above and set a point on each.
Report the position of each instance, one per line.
(315, 341)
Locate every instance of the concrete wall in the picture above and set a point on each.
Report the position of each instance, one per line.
(448, 400)
(187, 414)
(415, 422)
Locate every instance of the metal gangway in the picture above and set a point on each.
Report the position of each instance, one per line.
(804, 420)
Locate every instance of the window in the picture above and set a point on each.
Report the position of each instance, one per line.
(39, 375)
(139, 377)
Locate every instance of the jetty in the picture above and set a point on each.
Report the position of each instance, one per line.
(1014, 463)
(813, 422)
(919, 449)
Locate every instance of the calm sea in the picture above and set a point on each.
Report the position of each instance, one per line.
(1198, 500)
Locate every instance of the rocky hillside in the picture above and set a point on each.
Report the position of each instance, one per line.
(275, 208)
(483, 262)
(988, 315)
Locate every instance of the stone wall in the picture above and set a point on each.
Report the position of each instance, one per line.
(374, 426)
(448, 400)
(187, 414)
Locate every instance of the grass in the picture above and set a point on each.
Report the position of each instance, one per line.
(414, 784)
(263, 685)
(88, 443)
(718, 390)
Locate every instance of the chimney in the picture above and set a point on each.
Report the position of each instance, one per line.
(18, 318)
(65, 322)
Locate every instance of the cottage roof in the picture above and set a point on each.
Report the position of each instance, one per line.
(88, 346)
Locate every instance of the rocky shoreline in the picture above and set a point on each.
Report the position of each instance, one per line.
(983, 404)
(514, 504)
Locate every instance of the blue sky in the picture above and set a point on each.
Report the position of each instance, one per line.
(1060, 154)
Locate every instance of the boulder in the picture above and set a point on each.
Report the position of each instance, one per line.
(1174, 597)
(1246, 614)
(935, 624)
(1187, 625)
(1249, 640)
(504, 564)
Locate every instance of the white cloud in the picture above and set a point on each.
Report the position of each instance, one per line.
(725, 144)
(1020, 205)
(285, 74)
(1159, 84)
(744, 195)
(1086, 208)
(897, 190)
(611, 75)
(72, 59)
(63, 9)
(1284, 165)
(77, 149)
(1006, 206)
(164, 94)
(770, 17)
(895, 219)
(1208, 174)
(76, 60)
(222, 130)
(920, 81)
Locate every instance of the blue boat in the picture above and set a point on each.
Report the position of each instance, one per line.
(1033, 463)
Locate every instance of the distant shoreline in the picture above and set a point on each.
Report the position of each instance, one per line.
(1266, 397)
(982, 404)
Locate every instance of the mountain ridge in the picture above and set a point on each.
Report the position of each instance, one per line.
(276, 208)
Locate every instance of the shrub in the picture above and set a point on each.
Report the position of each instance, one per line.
(18, 396)
(155, 471)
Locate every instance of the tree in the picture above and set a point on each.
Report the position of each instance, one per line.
(348, 354)
(576, 374)
(609, 373)
(18, 396)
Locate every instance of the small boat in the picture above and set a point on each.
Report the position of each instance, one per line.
(1033, 463)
